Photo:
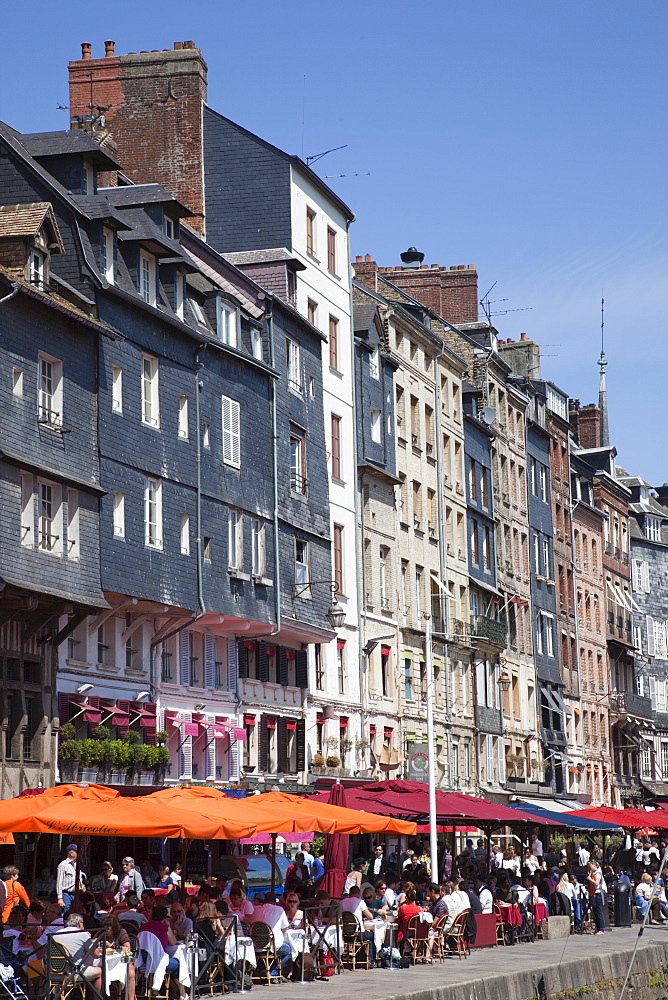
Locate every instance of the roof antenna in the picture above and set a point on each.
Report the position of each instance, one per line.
(602, 391)
(319, 156)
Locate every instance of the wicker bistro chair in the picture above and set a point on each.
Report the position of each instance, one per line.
(144, 984)
(456, 935)
(355, 948)
(417, 937)
(265, 950)
(437, 939)
(63, 976)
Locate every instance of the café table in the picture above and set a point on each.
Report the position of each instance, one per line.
(180, 953)
(117, 969)
(297, 939)
(191, 890)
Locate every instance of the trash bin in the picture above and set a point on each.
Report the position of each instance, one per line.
(622, 905)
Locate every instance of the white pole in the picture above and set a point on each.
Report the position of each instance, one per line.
(429, 672)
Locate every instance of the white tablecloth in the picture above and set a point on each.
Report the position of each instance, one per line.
(327, 936)
(236, 949)
(180, 952)
(298, 941)
(117, 970)
(379, 927)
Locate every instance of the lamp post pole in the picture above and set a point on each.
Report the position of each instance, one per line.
(431, 769)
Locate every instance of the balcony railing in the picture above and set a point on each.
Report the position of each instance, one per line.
(490, 629)
(629, 703)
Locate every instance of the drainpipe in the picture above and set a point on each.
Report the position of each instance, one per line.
(15, 289)
(274, 456)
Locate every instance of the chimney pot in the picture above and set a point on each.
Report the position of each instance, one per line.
(188, 45)
(436, 266)
(85, 50)
(510, 341)
(367, 258)
(358, 259)
(453, 268)
(177, 46)
(523, 336)
(109, 49)
(424, 267)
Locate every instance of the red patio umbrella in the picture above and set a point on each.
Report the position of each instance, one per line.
(630, 819)
(336, 849)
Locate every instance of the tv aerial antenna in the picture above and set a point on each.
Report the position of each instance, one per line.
(319, 156)
(486, 303)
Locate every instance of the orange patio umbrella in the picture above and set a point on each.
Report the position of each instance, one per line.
(98, 811)
(272, 817)
(345, 820)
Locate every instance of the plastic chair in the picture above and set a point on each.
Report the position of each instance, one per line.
(417, 934)
(354, 944)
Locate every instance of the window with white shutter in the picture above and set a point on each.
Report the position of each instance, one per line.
(231, 432)
(185, 662)
(652, 690)
(636, 575)
(232, 665)
(644, 575)
(234, 763)
(649, 622)
(489, 748)
(501, 758)
(185, 750)
(210, 672)
(660, 638)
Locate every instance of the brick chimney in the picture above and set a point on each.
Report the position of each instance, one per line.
(153, 111)
(451, 292)
(586, 424)
(366, 272)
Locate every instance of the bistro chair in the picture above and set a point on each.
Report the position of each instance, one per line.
(63, 975)
(417, 934)
(144, 985)
(265, 950)
(355, 948)
(456, 935)
(500, 925)
(437, 939)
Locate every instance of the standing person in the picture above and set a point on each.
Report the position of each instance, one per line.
(376, 864)
(14, 890)
(583, 856)
(66, 879)
(595, 887)
(131, 880)
(308, 857)
(354, 876)
(530, 860)
(447, 864)
(317, 868)
(537, 846)
(298, 872)
(175, 873)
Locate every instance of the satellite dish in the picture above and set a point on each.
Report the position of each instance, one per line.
(488, 415)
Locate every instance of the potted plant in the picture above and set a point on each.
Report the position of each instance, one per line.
(317, 763)
(68, 754)
(333, 761)
(91, 757)
(141, 763)
(120, 759)
(161, 738)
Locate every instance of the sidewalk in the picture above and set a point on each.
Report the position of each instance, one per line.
(572, 962)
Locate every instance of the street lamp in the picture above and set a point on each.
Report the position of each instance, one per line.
(336, 615)
(504, 682)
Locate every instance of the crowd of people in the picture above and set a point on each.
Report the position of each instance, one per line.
(390, 888)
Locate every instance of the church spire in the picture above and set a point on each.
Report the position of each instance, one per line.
(602, 392)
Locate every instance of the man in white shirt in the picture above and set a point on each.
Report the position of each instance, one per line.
(497, 856)
(583, 856)
(352, 903)
(308, 857)
(66, 879)
(484, 895)
(53, 922)
(537, 846)
(77, 942)
(270, 913)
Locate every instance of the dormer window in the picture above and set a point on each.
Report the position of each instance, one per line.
(37, 268)
(170, 226)
(88, 180)
(147, 277)
(108, 255)
(227, 324)
(198, 312)
(653, 529)
(179, 295)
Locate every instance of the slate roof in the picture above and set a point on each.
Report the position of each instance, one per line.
(97, 206)
(129, 195)
(241, 257)
(146, 231)
(40, 144)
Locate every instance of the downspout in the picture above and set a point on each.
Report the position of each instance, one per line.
(274, 456)
(15, 289)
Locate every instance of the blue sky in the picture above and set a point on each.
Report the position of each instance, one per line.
(527, 138)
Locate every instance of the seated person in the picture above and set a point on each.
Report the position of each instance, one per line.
(76, 940)
(409, 908)
(165, 880)
(158, 925)
(379, 905)
(238, 903)
(291, 905)
(484, 895)
(353, 903)
(180, 923)
(270, 913)
(118, 940)
(438, 906)
(46, 883)
(132, 914)
(208, 925)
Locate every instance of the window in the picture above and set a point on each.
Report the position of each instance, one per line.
(17, 382)
(294, 365)
(197, 311)
(88, 179)
(334, 343)
(487, 549)
(119, 515)
(384, 554)
(108, 255)
(302, 574)
(235, 539)
(319, 670)
(116, 389)
(49, 517)
(73, 539)
(653, 529)
(259, 543)
(256, 344)
(206, 549)
(408, 679)
(49, 390)
(546, 557)
(331, 251)
(374, 362)
(170, 228)
(310, 231)
(206, 435)
(297, 463)
(150, 391)
(375, 425)
(341, 665)
(231, 432)
(336, 447)
(473, 481)
(153, 513)
(227, 322)
(484, 482)
(183, 417)
(27, 511)
(147, 277)
(37, 268)
(338, 558)
(312, 312)
(185, 534)
(542, 482)
(418, 592)
(179, 296)
(475, 543)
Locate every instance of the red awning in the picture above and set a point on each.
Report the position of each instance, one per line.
(385, 650)
(249, 720)
(271, 650)
(388, 732)
(271, 722)
(343, 722)
(172, 718)
(372, 730)
(341, 644)
(320, 719)
(89, 713)
(290, 654)
(290, 725)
